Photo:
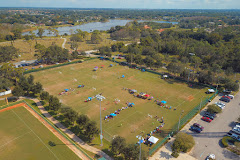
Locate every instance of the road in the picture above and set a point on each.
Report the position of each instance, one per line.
(209, 141)
(64, 42)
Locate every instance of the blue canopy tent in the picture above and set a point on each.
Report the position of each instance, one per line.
(143, 70)
(89, 98)
(79, 86)
(66, 90)
(113, 114)
(164, 102)
(123, 76)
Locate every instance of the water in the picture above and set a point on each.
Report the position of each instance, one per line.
(89, 27)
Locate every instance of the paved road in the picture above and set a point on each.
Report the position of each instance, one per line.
(209, 140)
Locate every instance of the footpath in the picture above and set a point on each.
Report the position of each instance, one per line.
(75, 138)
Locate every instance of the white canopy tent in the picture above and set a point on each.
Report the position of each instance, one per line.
(211, 90)
(153, 139)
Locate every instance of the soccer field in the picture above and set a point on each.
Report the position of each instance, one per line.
(107, 80)
(23, 137)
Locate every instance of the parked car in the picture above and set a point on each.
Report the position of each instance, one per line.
(195, 129)
(231, 96)
(12, 99)
(226, 91)
(220, 106)
(209, 116)
(224, 99)
(198, 125)
(207, 119)
(220, 103)
(210, 157)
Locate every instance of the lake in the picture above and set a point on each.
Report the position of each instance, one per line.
(94, 26)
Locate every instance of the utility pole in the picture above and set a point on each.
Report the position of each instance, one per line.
(200, 105)
(180, 119)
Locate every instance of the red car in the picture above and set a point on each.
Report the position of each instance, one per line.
(206, 119)
(226, 97)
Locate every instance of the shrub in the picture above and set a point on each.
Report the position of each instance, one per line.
(183, 143)
(52, 144)
(214, 109)
(225, 141)
(175, 154)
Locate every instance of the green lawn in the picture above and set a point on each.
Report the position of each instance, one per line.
(23, 137)
(107, 80)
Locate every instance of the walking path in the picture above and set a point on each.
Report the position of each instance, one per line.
(64, 42)
(68, 132)
(57, 134)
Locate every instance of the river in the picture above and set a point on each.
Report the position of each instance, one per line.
(94, 26)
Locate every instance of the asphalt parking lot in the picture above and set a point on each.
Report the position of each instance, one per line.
(208, 141)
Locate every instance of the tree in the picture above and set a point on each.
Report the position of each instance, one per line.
(96, 37)
(74, 45)
(131, 152)
(37, 88)
(71, 115)
(17, 33)
(238, 119)
(18, 91)
(118, 144)
(40, 32)
(149, 61)
(183, 143)
(44, 95)
(30, 79)
(82, 120)
(75, 54)
(91, 130)
(54, 103)
(233, 86)
(7, 53)
(214, 109)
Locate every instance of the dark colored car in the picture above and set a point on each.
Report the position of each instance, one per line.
(198, 125)
(206, 119)
(196, 129)
(224, 99)
(12, 99)
(209, 116)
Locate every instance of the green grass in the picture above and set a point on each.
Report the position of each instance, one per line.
(106, 80)
(23, 137)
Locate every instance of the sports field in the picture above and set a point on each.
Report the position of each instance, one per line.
(23, 137)
(107, 80)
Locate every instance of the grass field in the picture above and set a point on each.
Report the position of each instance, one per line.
(23, 137)
(26, 48)
(132, 121)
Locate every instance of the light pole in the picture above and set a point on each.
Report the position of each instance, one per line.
(180, 119)
(100, 98)
(140, 138)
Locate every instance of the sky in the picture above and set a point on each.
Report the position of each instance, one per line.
(145, 4)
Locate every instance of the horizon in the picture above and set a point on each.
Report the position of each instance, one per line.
(125, 4)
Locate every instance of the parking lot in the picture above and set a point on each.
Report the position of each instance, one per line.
(209, 140)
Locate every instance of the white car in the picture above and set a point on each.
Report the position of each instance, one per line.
(220, 103)
(220, 106)
(211, 157)
(231, 96)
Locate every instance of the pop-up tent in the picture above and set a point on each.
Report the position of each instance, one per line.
(134, 90)
(113, 114)
(143, 70)
(66, 90)
(111, 65)
(89, 98)
(211, 90)
(123, 76)
(153, 139)
(164, 102)
(147, 95)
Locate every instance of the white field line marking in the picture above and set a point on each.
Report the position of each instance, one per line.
(35, 134)
(14, 139)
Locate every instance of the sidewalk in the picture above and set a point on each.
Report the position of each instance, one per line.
(75, 138)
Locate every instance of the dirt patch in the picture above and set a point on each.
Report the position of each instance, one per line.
(190, 98)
